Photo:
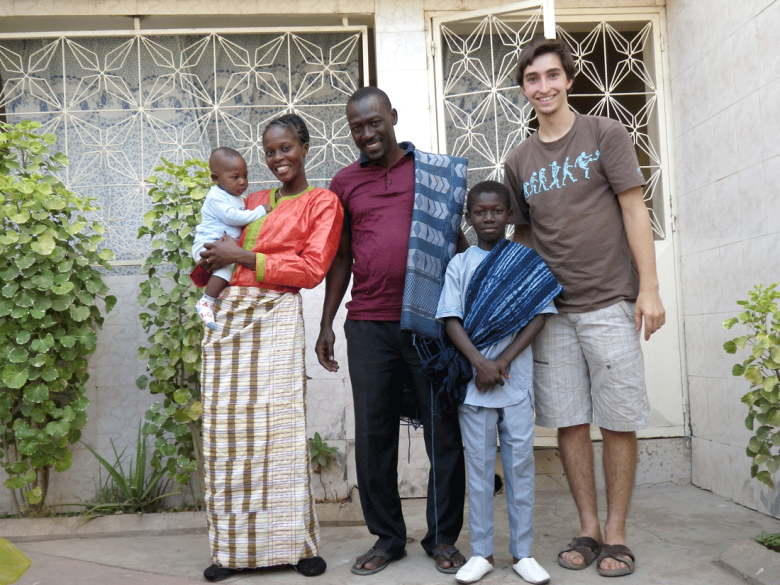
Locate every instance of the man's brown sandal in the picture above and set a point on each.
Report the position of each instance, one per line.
(619, 552)
(446, 551)
(586, 546)
(374, 553)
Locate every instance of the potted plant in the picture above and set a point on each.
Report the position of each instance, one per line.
(175, 332)
(760, 321)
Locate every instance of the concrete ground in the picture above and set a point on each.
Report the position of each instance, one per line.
(678, 533)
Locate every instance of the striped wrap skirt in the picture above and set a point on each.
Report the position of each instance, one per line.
(259, 505)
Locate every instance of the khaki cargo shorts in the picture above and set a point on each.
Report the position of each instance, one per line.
(588, 368)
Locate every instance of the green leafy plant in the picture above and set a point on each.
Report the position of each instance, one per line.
(175, 331)
(129, 490)
(49, 310)
(322, 457)
(770, 540)
(761, 368)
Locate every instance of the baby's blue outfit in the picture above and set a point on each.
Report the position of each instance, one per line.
(222, 212)
(510, 408)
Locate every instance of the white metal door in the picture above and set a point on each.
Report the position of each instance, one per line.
(482, 115)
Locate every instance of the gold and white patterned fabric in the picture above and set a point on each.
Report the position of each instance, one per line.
(259, 506)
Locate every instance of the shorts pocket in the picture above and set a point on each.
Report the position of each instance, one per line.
(620, 398)
(623, 362)
(628, 309)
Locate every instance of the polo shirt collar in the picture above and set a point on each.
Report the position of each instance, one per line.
(408, 148)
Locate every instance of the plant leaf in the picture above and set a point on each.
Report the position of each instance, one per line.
(34, 496)
(15, 376)
(79, 313)
(181, 396)
(43, 245)
(13, 563)
(765, 478)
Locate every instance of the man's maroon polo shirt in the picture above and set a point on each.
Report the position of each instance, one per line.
(379, 204)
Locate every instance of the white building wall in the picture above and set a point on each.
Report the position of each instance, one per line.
(116, 405)
(725, 68)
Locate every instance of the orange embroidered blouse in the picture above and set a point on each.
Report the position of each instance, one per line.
(295, 242)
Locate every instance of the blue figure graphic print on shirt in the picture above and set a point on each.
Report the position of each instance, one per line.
(554, 168)
(584, 160)
(538, 180)
(567, 172)
(543, 179)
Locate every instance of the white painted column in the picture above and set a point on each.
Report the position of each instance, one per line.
(402, 67)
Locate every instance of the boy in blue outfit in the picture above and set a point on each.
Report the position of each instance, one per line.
(493, 304)
(223, 212)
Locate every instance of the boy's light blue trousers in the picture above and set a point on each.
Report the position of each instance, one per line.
(515, 426)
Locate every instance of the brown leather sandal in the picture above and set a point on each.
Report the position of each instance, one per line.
(378, 553)
(619, 552)
(586, 546)
(446, 551)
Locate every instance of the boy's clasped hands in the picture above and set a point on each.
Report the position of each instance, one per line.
(490, 373)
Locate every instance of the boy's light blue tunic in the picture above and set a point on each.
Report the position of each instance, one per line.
(222, 212)
(452, 303)
(508, 409)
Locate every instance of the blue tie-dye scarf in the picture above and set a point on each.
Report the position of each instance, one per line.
(509, 288)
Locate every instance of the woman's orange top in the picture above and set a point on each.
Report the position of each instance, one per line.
(295, 242)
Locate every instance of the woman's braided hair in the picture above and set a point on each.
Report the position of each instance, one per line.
(294, 123)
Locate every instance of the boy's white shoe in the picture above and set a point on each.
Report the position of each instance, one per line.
(531, 571)
(474, 570)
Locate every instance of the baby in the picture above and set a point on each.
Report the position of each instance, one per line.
(222, 212)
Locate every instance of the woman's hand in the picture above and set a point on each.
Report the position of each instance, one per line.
(221, 253)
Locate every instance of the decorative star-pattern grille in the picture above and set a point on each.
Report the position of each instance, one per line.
(119, 104)
(486, 115)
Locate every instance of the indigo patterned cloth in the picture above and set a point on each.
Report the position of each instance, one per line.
(439, 191)
(510, 287)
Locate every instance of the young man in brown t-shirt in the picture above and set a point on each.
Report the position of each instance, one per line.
(577, 195)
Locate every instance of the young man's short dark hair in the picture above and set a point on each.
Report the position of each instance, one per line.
(487, 187)
(541, 46)
(369, 91)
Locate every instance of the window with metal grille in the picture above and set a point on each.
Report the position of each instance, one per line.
(119, 102)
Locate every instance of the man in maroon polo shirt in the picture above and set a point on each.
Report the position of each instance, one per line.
(377, 192)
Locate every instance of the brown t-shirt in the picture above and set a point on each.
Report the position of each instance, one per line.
(567, 191)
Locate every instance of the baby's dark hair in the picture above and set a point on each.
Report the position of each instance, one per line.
(487, 187)
(222, 153)
(294, 123)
